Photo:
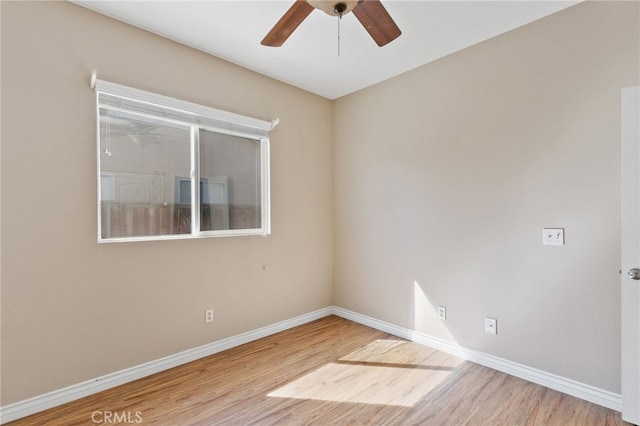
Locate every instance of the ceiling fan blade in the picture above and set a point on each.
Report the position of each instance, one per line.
(377, 21)
(287, 24)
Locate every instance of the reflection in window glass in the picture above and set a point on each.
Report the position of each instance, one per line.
(230, 192)
(139, 158)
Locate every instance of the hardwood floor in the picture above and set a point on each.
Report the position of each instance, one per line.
(328, 372)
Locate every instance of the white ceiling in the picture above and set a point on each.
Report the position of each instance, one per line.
(232, 30)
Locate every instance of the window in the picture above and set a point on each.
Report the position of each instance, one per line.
(173, 169)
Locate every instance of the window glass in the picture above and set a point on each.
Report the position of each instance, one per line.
(229, 182)
(172, 169)
(139, 158)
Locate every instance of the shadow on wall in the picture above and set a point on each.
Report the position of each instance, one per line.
(425, 316)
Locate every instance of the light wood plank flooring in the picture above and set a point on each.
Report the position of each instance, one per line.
(329, 372)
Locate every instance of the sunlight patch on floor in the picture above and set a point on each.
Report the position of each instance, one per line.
(385, 372)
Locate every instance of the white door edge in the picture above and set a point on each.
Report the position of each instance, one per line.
(630, 240)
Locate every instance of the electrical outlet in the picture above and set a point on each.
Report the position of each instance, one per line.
(442, 313)
(491, 325)
(208, 315)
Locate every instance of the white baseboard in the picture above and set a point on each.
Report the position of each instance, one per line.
(80, 390)
(562, 384)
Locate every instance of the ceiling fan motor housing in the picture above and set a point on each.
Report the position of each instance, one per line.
(334, 8)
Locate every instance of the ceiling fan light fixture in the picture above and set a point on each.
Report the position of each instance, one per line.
(370, 13)
(333, 7)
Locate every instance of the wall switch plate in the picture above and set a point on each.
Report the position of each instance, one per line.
(208, 315)
(553, 236)
(491, 325)
(442, 313)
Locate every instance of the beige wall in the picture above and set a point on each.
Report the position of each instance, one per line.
(445, 177)
(73, 310)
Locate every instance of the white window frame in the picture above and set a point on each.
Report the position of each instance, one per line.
(197, 117)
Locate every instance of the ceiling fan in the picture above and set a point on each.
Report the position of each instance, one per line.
(371, 14)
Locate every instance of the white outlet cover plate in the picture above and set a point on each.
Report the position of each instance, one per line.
(442, 313)
(553, 236)
(491, 325)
